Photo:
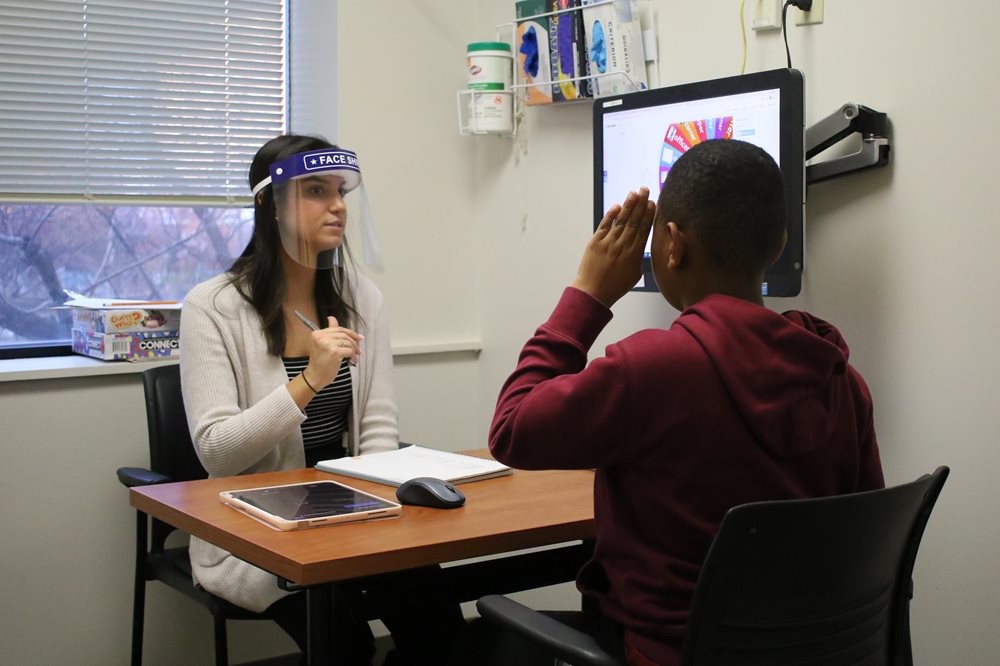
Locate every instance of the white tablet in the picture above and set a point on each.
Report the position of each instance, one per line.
(300, 505)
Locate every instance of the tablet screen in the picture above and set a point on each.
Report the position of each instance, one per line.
(311, 500)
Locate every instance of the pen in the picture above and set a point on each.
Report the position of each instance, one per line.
(306, 320)
(309, 322)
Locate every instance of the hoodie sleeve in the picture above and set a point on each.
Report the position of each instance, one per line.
(555, 411)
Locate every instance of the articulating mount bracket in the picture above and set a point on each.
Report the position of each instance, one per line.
(848, 119)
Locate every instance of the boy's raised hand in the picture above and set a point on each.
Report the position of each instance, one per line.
(612, 262)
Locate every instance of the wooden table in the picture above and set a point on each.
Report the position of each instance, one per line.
(524, 510)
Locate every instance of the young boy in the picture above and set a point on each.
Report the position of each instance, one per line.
(733, 403)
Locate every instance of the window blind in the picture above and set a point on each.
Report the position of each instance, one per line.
(164, 99)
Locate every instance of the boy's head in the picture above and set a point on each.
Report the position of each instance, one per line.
(720, 222)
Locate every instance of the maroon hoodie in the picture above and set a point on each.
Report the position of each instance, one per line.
(733, 404)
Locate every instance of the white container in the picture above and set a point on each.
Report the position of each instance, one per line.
(491, 111)
(489, 64)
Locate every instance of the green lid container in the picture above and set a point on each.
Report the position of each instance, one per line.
(489, 46)
(489, 65)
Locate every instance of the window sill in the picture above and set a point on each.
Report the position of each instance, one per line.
(74, 365)
(58, 367)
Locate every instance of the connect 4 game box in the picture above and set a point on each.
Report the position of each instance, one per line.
(135, 346)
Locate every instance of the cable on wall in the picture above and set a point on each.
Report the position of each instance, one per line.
(743, 31)
(804, 5)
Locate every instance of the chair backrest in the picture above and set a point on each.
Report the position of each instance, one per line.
(820, 581)
(170, 449)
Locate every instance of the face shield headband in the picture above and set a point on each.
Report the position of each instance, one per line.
(343, 162)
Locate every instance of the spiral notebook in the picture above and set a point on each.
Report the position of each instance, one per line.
(397, 467)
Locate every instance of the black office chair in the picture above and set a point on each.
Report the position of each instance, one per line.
(171, 458)
(819, 581)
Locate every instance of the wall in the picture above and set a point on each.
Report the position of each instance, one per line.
(399, 66)
(312, 90)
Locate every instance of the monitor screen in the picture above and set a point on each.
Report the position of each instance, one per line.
(639, 136)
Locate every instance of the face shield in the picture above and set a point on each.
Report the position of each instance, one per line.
(317, 195)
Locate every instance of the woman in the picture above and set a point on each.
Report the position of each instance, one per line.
(264, 392)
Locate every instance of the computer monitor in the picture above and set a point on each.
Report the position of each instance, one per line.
(638, 137)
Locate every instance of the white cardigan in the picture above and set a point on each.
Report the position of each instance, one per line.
(243, 420)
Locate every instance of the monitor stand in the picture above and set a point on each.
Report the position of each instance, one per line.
(848, 119)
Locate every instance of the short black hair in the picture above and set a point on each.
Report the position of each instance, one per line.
(731, 195)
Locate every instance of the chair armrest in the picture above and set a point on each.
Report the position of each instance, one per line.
(139, 476)
(559, 640)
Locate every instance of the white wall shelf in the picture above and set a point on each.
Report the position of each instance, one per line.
(613, 82)
(488, 120)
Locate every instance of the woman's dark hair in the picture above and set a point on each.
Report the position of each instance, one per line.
(258, 274)
(732, 195)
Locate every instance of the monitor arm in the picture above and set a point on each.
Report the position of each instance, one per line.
(848, 119)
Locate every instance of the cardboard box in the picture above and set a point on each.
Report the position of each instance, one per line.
(623, 50)
(533, 51)
(136, 346)
(126, 321)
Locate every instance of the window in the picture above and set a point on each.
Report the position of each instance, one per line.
(125, 135)
(132, 252)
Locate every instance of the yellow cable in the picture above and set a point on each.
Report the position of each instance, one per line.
(743, 30)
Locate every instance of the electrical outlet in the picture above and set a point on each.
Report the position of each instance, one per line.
(766, 14)
(814, 15)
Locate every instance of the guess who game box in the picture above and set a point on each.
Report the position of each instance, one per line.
(126, 321)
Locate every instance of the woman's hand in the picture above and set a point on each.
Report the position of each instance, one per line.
(328, 348)
(612, 262)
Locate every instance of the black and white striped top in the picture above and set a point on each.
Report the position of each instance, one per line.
(326, 414)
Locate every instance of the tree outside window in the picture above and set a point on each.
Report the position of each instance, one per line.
(129, 252)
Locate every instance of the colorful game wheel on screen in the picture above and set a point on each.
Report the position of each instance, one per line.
(681, 136)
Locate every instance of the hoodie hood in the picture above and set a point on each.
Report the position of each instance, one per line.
(780, 370)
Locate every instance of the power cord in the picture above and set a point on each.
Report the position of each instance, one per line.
(804, 5)
(743, 30)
